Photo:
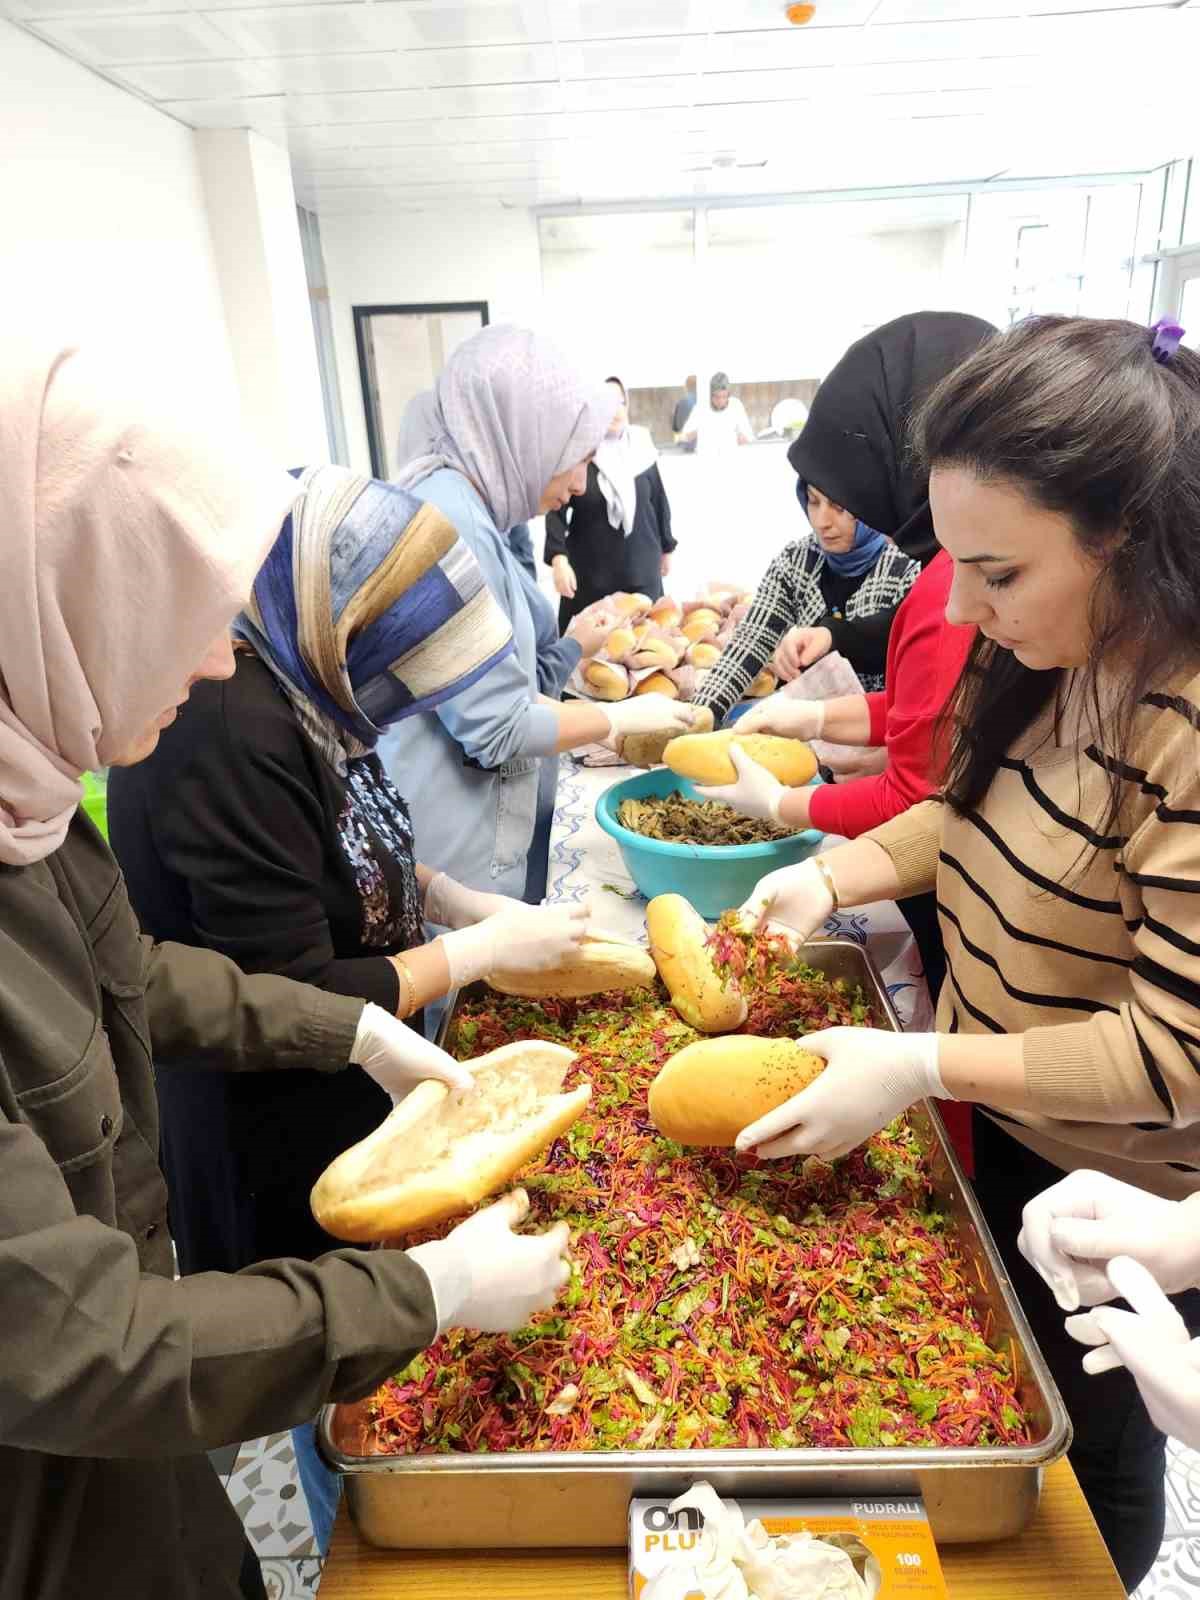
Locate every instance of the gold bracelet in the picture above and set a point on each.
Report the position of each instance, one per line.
(822, 867)
(402, 971)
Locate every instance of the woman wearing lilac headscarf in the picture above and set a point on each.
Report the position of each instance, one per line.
(512, 427)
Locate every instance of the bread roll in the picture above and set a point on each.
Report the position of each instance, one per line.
(628, 605)
(766, 683)
(711, 1090)
(606, 680)
(658, 683)
(654, 652)
(441, 1152)
(666, 612)
(646, 749)
(701, 625)
(619, 643)
(679, 945)
(704, 757)
(597, 966)
(704, 653)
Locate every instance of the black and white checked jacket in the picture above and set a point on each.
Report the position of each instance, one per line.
(789, 596)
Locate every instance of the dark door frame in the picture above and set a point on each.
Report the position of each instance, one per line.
(361, 314)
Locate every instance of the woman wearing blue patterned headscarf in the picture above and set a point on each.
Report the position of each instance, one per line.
(265, 826)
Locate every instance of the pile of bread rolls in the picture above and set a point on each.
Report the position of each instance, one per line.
(665, 646)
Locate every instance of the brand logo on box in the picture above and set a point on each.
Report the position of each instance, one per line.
(661, 1519)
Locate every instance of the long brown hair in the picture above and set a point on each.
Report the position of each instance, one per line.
(1078, 415)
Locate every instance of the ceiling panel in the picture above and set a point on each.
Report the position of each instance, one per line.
(491, 130)
(633, 58)
(320, 29)
(440, 24)
(381, 105)
(488, 64)
(307, 139)
(833, 47)
(608, 19)
(30, 10)
(201, 80)
(104, 41)
(944, 10)
(345, 74)
(500, 100)
(632, 94)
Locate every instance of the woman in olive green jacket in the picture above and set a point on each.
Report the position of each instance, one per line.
(127, 548)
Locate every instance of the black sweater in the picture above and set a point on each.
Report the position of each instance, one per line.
(238, 835)
(603, 558)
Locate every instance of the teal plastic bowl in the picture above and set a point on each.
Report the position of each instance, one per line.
(714, 878)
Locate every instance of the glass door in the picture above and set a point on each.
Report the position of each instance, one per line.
(401, 351)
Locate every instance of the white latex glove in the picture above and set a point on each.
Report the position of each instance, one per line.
(794, 899)
(1152, 1341)
(453, 905)
(786, 714)
(520, 938)
(872, 1077)
(397, 1057)
(647, 713)
(757, 792)
(1073, 1228)
(486, 1277)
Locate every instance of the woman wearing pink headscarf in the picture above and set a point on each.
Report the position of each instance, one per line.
(128, 546)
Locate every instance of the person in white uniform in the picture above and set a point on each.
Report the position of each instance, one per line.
(721, 425)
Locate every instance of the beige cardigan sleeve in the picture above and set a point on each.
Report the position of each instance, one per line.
(913, 840)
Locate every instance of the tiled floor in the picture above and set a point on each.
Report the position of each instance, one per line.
(262, 1482)
(1176, 1574)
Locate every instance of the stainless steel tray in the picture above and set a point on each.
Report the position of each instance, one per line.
(564, 1498)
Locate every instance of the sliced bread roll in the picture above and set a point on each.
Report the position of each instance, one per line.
(597, 966)
(711, 1090)
(679, 945)
(441, 1152)
(705, 758)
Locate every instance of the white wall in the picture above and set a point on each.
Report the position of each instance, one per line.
(102, 219)
(421, 259)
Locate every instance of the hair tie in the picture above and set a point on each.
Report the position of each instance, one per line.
(1167, 338)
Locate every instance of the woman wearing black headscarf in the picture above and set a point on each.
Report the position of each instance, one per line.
(851, 455)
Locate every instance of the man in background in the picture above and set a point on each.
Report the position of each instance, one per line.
(723, 424)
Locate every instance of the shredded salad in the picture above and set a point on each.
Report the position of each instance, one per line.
(715, 1301)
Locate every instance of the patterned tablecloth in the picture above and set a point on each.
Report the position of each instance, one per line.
(585, 862)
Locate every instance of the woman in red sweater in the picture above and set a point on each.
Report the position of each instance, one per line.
(925, 653)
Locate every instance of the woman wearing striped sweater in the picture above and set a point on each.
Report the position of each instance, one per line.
(1065, 849)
